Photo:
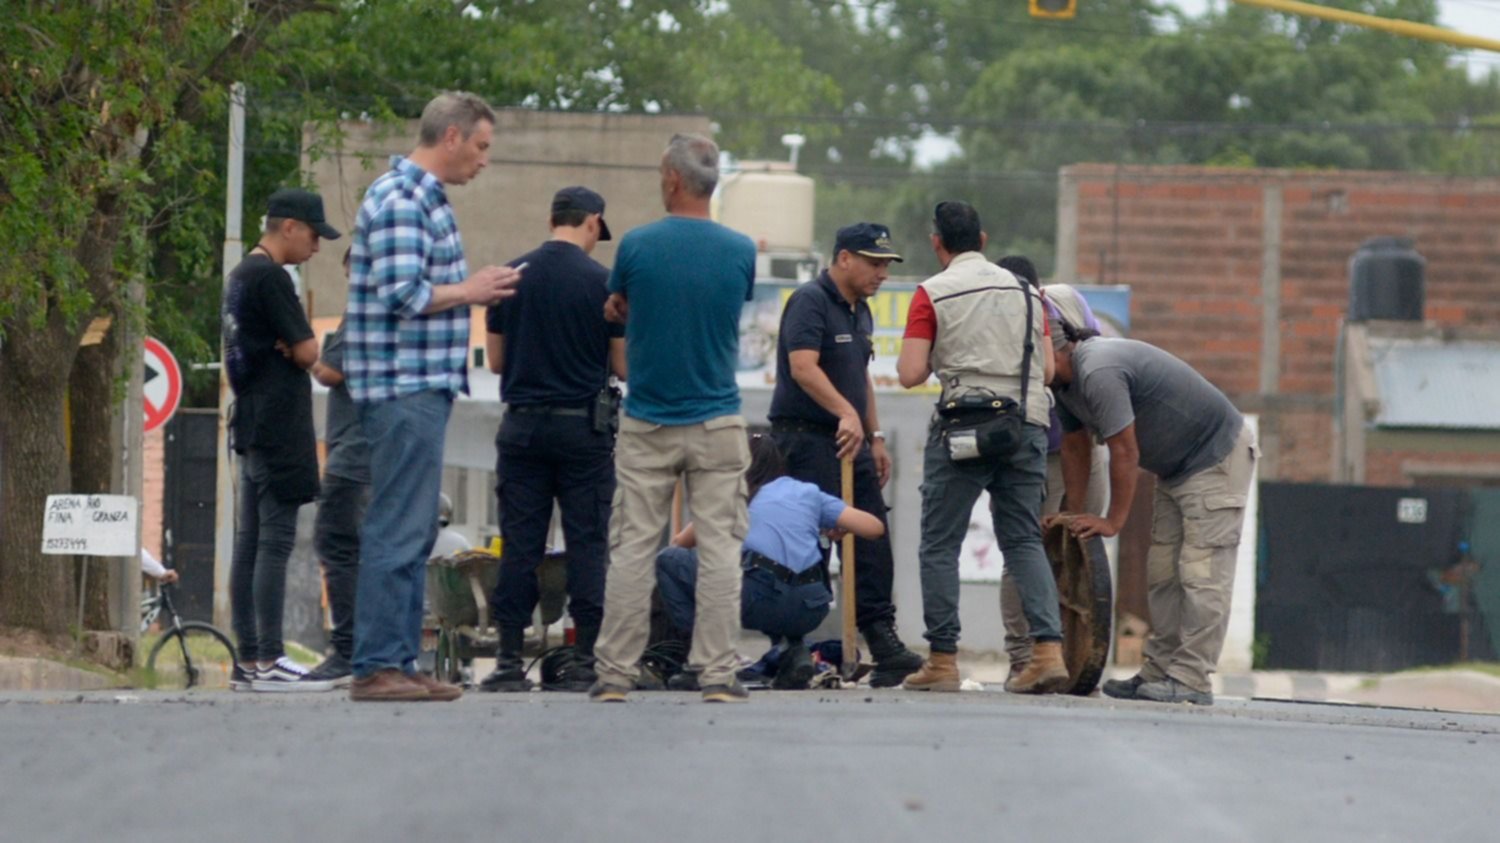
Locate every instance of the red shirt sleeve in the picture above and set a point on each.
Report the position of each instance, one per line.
(921, 319)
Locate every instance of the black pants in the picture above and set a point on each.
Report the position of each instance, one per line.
(813, 457)
(543, 458)
(341, 510)
(263, 541)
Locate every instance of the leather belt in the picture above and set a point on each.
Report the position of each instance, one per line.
(803, 426)
(547, 410)
(751, 559)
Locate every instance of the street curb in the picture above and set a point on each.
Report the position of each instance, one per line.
(26, 674)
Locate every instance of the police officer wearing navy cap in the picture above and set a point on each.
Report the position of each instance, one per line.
(823, 410)
(554, 353)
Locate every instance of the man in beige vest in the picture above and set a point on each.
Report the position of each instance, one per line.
(983, 331)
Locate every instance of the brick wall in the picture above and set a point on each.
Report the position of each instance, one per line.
(1403, 467)
(151, 491)
(1189, 241)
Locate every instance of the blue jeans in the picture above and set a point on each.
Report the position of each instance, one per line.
(767, 603)
(406, 474)
(1017, 484)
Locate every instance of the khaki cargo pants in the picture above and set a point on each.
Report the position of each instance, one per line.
(1195, 536)
(711, 457)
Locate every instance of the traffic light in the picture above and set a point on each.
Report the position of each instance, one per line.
(1054, 9)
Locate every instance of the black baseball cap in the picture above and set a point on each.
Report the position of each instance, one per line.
(865, 238)
(582, 199)
(293, 203)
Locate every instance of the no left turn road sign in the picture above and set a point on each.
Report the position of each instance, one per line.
(163, 388)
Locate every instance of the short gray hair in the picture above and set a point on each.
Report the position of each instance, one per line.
(696, 159)
(453, 108)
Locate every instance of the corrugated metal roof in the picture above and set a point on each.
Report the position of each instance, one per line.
(1430, 384)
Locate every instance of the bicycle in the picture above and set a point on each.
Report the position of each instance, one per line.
(189, 654)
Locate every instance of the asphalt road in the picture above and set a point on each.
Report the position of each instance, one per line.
(815, 766)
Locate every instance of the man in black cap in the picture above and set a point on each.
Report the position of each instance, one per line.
(554, 353)
(268, 347)
(823, 411)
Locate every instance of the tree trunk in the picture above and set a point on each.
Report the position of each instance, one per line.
(37, 588)
(93, 398)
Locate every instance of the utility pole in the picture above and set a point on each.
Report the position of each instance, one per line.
(234, 251)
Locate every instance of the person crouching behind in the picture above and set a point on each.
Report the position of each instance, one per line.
(784, 593)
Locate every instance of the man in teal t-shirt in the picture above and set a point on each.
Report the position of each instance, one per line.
(678, 285)
(686, 279)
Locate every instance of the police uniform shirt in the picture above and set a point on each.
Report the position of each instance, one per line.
(787, 517)
(819, 318)
(556, 337)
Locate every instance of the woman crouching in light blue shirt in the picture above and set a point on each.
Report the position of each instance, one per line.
(785, 592)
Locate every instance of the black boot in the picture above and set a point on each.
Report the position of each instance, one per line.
(796, 667)
(510, 667)
(893, 662)
(576, 672)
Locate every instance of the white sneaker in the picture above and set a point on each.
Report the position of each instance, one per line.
(286, 676)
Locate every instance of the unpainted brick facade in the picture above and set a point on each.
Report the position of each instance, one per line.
(1244, 274)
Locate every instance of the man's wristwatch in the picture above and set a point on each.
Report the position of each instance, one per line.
(878, 434)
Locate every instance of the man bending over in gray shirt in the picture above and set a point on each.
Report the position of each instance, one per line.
(1155, 412)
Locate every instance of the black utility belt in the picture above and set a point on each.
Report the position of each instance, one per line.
(751, 559)
(548, 410)
(802, 426)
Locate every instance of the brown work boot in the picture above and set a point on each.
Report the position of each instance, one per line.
(388, 685)
(1044, 674)
(436, 691)
(938, 673)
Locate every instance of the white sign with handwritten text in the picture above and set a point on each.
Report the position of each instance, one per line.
(90, 525)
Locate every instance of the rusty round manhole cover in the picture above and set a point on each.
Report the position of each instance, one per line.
(1085, 594)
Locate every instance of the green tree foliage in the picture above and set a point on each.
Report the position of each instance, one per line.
(1126, 82)
(96, 107)
(386, 60)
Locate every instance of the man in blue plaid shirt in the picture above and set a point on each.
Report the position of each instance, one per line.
(406, 358)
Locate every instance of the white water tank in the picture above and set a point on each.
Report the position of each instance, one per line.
(770, 203)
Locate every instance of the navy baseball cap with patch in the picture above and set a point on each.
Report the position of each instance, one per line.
(582, 199)
(291, 203)
(867, 239)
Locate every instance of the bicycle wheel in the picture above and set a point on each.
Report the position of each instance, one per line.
(195, 656)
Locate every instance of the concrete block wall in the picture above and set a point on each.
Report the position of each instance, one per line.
(1244, 274)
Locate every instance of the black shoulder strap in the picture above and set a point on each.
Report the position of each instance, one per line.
(1026, 348)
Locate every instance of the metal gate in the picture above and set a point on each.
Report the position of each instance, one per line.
(189, 488)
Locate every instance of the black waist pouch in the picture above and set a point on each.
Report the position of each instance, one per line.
(980, 426)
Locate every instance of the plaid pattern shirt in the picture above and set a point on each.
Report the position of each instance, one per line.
(405, 242)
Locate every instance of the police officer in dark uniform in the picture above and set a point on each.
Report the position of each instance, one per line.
(554, 353)
(823, 410)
